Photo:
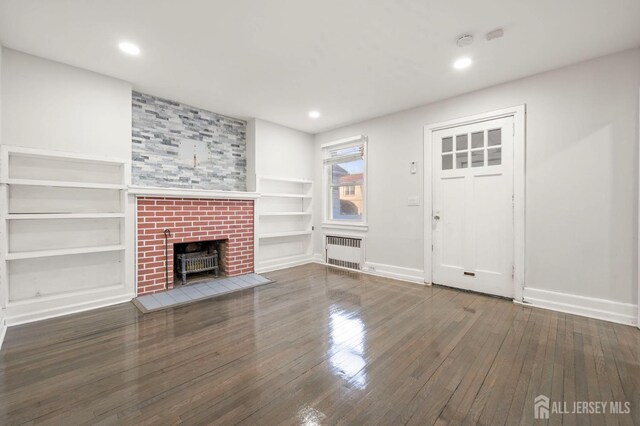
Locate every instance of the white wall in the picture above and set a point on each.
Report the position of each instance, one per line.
(49, 105)
(276, 146)
(581, 183)
(3, 236)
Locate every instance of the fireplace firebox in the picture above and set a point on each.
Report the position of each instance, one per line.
(197, 260)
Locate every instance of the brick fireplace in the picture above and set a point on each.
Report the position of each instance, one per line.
(191, 220)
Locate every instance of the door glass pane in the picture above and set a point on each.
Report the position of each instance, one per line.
(477, 158)
(494, 137)
(447, 162)
(462, 160)
(461, 142)
(494, 156)
(447, 144)
(477, 140)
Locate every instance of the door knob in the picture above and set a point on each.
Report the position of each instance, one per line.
(436, 217)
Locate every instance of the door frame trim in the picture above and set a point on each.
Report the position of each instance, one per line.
(519, 155)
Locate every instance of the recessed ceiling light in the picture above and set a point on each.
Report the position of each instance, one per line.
(129, 48)
(314, 114)
(462, 63)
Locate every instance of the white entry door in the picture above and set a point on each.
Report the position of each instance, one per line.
(473, 207)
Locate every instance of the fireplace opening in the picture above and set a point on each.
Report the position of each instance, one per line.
(197, 261)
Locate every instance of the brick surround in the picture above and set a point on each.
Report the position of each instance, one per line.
(191, 219)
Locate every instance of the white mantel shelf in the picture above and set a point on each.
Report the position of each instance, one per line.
(140, 191)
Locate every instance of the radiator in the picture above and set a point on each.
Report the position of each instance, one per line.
(345, 252)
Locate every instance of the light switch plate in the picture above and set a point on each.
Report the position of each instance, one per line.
(413, 201)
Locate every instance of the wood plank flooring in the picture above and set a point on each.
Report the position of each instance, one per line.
(319, 346)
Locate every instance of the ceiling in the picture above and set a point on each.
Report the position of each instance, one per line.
(349, 59)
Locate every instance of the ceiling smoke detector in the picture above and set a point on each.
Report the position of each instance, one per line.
(495, 34)
(464, 40)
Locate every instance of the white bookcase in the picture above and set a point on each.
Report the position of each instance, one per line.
(63, 217)
(284, 222)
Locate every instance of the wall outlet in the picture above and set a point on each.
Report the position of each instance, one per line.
(413, 168)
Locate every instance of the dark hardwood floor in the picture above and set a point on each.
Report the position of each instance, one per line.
(319, 346)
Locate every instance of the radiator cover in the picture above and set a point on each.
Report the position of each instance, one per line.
(345, 252)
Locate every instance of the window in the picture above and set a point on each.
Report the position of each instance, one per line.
(345, 166)
(350, 190)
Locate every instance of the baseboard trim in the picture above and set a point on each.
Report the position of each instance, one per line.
(396, 272)
(415, 276)
(65, 310)
(602, 309)
(3, 331)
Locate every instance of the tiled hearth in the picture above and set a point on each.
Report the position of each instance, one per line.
(190, 220)
(196, 292)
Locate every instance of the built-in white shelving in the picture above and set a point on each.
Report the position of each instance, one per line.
(284, 222)
(69, 157)
(63, 215)
(286, 214)
(63, 252)
(284, 179)
(61, 184)
(36, 216)
(285, 234)
(283, 195)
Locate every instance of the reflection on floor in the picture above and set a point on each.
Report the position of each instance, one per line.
(319, 346)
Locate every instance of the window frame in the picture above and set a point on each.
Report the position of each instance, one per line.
(326, 182)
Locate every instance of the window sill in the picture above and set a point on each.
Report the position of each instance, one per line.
(362, 227)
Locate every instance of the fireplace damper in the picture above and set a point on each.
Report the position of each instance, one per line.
(196, 258)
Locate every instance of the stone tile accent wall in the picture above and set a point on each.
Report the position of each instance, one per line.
(179, 146)
(189, 220)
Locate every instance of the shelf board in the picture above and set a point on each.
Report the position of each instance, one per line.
(285, 214)
(281, 179)
(63, 252)
(32, 216)
(63, 156)
(62, 184)
(141, 191)
(284, 195)
(284, 234)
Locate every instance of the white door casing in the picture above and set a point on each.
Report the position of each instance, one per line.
(472, 207)
(517, 113)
